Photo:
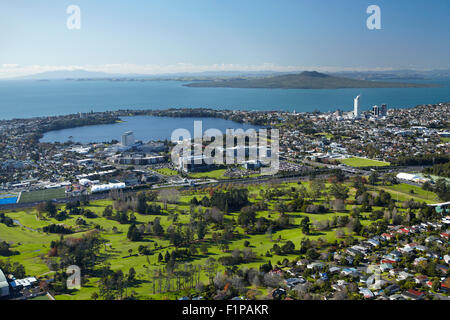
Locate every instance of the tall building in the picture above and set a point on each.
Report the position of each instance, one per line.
(376, 111)
(383, 111)
(128, 139)
(356, 107)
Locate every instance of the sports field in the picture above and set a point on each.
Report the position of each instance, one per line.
(363, 162)
(214, 174)
(41, 195)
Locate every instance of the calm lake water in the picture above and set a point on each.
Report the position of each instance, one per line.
(144, 127)
(27, 98)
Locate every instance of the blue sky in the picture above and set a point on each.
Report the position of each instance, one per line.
(158, 36)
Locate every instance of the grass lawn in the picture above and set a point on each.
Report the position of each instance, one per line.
(40, 195)
(167, 172)
(214, 174)
(445, 139)
(362, 162)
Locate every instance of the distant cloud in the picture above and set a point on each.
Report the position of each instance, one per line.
(15, 70)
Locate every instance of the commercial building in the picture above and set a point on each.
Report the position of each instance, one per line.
(411, 177)
(107, 187)
(139, 160)
(383, 111)
(379, 112)
(128, 139)
(194, 163)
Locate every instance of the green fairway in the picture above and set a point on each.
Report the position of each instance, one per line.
(362, 162)
(122, 254)
(41, 195)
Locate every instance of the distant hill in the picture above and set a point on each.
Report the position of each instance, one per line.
(304, 80)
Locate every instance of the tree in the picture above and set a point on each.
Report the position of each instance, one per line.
(247, 216)
(204, 249)
(167, 257)
(317, 186)
(339, 191)
(442, 189)
(288, 247)
(355, 225)
(305, 224)
(169, 196)
(312, 254)
(373, 178)
(133, 233)
(142, 204)
(131, 275)
(108, 211)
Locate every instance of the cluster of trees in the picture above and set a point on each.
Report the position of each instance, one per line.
(237, 257)
(203, 202)
(17, 269)
(420, 160)
(287, 248)
(144, 208)
(6, 220)
(153, 228)
(114, 285)
(136, 202)
(441, 188)
(57, 228)
(82, 212)
(229, 201)
(5, 249)
(133, 233)
(253, 225)
(82, 252)
(120, 216)
(442, 170)
(47, 207)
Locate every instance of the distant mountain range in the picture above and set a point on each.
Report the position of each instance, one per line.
(263, 79)
(304, 80)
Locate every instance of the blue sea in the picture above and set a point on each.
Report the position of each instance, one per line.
(30, 98)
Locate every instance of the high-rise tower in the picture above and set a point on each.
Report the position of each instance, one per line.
(356, 107)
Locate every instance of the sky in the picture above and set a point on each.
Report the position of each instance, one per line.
(166, 36)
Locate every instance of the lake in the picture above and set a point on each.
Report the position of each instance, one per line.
(31, 98)
(145, 128)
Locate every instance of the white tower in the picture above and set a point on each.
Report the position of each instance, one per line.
(128, 139)
(356, 107)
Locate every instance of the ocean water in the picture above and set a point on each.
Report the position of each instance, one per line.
(30, 98)
(145, 128)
